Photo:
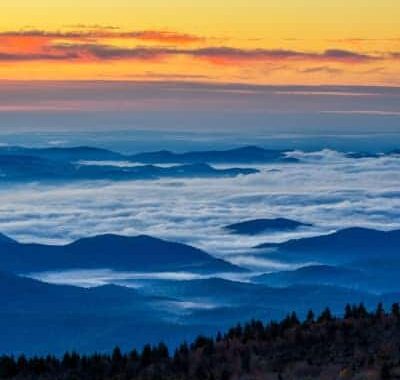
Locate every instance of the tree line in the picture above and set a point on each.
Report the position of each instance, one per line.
(360, 344)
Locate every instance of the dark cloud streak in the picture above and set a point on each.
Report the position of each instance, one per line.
(214, 54)
(89, 43)
(108, 32)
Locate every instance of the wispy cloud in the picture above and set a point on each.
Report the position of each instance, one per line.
(321, 69)
(163, 36)
(228, 54)
(192, 93)
(216, 55)
(365, 112)
(102, 44)
(12, 57)
(98, 32)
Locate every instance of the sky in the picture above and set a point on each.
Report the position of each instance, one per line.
(129, 116)
(291, 42)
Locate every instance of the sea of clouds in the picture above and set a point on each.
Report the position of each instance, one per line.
(325, 189)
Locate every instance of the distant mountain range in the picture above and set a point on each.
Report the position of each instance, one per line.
(27, 295)
(79, 163)
(38, 318)
(315, 274)
(381, 277)
(73, 154)
(233, 293)
(356, 258)
(242, 155)
(245, 155)
(344, 246)
(353, 265)
(32, 168)
(258, 226)
(394, 152)
(140, 253)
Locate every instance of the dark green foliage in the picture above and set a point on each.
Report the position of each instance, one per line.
(361, 345)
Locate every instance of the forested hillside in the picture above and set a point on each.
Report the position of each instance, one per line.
(359, 345)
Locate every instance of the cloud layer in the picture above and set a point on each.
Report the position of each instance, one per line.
(102, 44)
(326, 189)
(82, 53)
(89, 45)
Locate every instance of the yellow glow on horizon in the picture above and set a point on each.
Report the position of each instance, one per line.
(370, 28)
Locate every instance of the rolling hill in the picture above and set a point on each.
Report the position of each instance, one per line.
(244, 155)
(22, 168)
(258, 226)
(140, 253)
(341, 247)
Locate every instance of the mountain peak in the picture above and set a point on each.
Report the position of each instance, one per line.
(115, 252)
(358, 231)
(257, 226)
(250, 148)
(111, 238)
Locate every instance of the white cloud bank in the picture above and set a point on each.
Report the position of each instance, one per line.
(326, 189)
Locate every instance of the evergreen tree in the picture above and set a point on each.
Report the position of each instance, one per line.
(362, 311)
(379, 312)
(348, 312)
(326, 316)
(396, 310)
(310, 317)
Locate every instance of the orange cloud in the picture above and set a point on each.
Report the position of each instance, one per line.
(169, 37)
(88, 44)
(226, 55)
(106, 32)
(216, 55)
(87, 53)
(27, 44)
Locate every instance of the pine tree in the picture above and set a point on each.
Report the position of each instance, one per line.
(326, 316)
(379, 313)
(310, 317)
(348, 312)
(396, 310)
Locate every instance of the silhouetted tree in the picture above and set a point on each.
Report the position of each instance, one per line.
(310, 317)
(379, 312)
(366, 346)
(396, 310)
(348, 312)
(326, 316)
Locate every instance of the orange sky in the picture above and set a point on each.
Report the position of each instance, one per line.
(250, 41)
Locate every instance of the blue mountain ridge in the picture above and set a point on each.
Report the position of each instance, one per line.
(63, 153)
(258, 226)
(139, 253)
(343, 246)
(32, 168)
(247, 154)
(39, 318)
(356, 266)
